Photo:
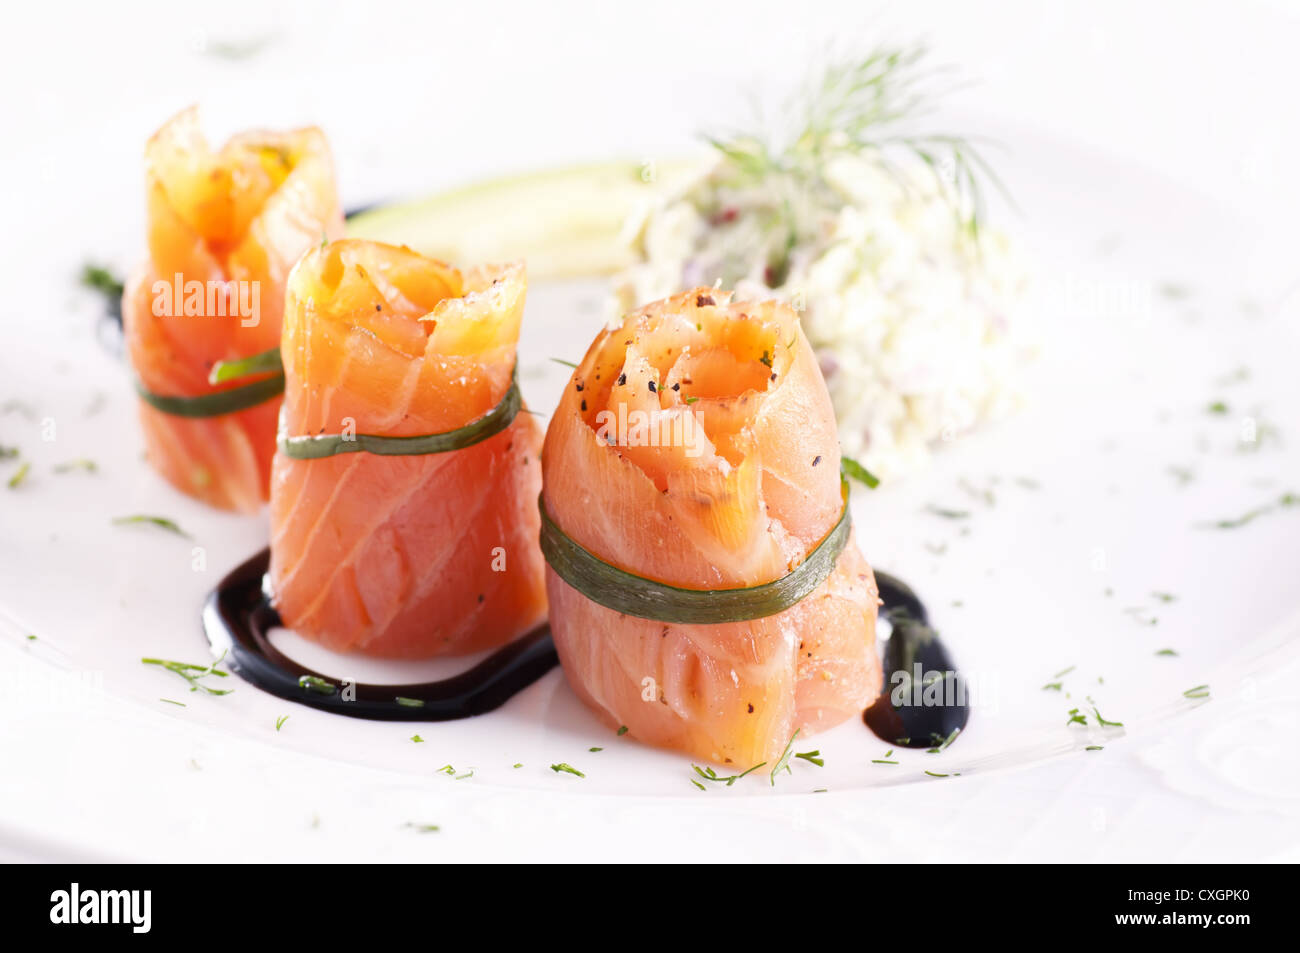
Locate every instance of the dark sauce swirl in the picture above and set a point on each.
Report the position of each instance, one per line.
(238, 617)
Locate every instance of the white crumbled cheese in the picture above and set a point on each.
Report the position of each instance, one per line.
(913, 320)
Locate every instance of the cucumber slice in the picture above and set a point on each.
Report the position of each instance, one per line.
(565, 223)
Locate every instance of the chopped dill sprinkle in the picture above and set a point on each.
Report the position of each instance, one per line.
(1287, 499)
(194, 674)
(1065, 671)
(944, 742)
(31, 637)
(279, 722)
(1104, 723)
(423, 828)
(446, 769)
(20, 475)
(517, 764)
(1167, 652)
(766, 359)
(1053, 686)
(595, 749)
(417, 739)
(1200, 691)
(708, 774)
(560, 360)
(8, 453)
(567, 769)
(161, 522)
(813, 757)
(936, 774)
(698, 785)
(100, 279)
(690, 400)
(170, 702)
(1218, 407)
(882, 761)
(81, 463)
(314, 683)
(1076, 718)
(622, 730)
(946, 513)
(1094, 748)
(784, 761)
(1164, 596)
(409, 702)
(856, 471)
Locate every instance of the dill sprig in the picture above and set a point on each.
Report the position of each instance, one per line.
(194, 674)
(868, 106)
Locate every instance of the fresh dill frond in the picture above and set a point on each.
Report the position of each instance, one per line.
(870, 106)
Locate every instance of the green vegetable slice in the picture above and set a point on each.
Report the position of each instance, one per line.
(265, 362)
(215, 405)
(644, 598)
(489, 425)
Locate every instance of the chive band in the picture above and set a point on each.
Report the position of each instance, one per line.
(216, 404)
(644, 598)
(489, 425)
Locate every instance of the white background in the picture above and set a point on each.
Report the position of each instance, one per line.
(427, 95)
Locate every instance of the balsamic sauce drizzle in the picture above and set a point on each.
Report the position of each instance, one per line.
(912, 642)
(238, 615)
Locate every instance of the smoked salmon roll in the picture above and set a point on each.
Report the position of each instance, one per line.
(225, 227)
(705, 589)
(404, 517)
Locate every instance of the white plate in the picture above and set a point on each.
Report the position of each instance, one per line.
(1149, 300)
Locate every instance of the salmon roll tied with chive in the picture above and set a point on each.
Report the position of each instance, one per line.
(705, 588)
(404, 517)
(202, 315)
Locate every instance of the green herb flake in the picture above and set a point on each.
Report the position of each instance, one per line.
(423, 828)
(1167, 652)
(567, 769)
(1200, 691)
(1104, 723)
(81, 463)
(708, 774)
(314, 683)
(20, 475)
(783, 763)
(947, 513)
(622, 730)
(194, 674)
(409, 702)
(98, 278)
(161, 522)
(279, 722)
(856, 471)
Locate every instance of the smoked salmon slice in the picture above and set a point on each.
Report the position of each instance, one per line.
(415, 554)
(224, 229)
(695, 446)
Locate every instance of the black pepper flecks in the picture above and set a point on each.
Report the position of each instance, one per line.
(703, 301)
(584, 406)
(652, 387)
(622, 379)
(817, 459)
